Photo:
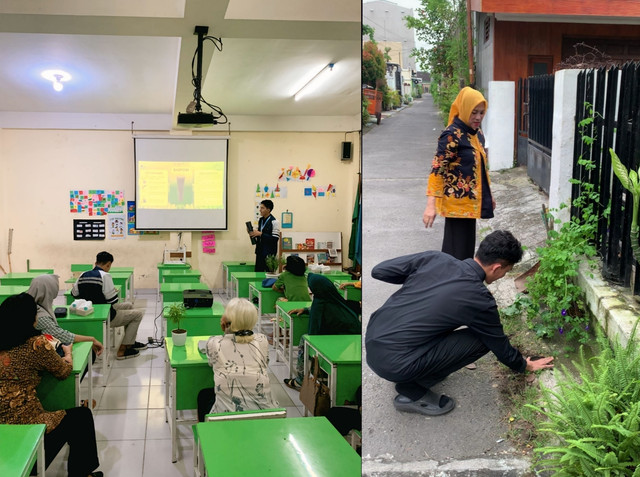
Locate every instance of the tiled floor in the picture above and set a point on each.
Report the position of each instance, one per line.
(133, 437)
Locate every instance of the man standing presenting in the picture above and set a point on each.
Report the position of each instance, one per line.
(441, 319)
(267, 235)
(97, 286)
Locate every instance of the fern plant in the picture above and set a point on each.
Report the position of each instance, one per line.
(594, 418)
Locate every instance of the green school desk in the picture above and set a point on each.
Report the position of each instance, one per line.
(170, 266)
(340, 357)
(334, 275)
(18, 279)
(302, 446)
(266, 297)
(187, 371)
(97, 325)
(7, 290)
(350, 292)
(70, 299)
(228, 267)
(55, 394)
(240, 282)
(199, 321)
(288, 330)
(20, 446)
(180, 275)
(172, 292)
(123, 280)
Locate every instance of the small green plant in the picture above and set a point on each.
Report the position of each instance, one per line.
(555, 303)
(365, 111)
(594, 418)
(630, 180)
(273, 263)
(176, 314)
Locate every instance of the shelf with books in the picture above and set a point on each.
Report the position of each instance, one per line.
(315, 248)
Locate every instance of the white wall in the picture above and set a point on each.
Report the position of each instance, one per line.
(564, 114)
(499, 125)
(40, 167)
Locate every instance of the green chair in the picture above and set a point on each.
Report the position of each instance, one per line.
(198, 462)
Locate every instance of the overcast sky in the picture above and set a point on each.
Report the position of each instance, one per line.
(415, 4)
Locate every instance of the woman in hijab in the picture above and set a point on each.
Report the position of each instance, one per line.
(329, 314)
(459, 185)
(44, 289)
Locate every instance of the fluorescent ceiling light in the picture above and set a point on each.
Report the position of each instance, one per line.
(314, 82)
(57, 77)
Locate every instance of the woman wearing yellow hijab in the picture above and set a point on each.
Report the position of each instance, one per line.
(459, 186)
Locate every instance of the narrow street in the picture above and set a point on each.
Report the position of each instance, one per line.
(472, 439)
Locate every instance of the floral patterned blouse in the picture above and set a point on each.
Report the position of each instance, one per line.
(20, 369)
(459, 180)
(240, 373)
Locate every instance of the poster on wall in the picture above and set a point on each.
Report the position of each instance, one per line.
(131, 221)
(116, 226)
(96, 201)
(89, 229)
(208, 242)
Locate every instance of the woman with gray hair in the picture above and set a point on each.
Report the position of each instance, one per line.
(240, 362)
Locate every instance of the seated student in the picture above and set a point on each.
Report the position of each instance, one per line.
(44, 289)
(24, 352)
(240, 362)
(329, 314)
(97, 286)
(292, 281)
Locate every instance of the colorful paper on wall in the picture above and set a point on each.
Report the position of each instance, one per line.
(96, 201)
(295, 174)
(209, 242)
(116, 227)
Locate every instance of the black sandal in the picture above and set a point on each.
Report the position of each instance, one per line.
(292, 383)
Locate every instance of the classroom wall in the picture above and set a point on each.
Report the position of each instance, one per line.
(40, 167)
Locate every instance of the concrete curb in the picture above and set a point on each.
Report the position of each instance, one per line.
(614, 308)
(469, 467)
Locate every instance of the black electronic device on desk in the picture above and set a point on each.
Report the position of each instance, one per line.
(197, 298)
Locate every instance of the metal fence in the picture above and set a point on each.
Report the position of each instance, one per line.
(612, 98)
(540, 90)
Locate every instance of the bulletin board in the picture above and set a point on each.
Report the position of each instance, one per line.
(89, 229)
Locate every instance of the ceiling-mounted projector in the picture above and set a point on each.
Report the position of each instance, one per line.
(194, 117)
(198, 118)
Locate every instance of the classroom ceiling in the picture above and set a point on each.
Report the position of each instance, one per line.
(131, 63)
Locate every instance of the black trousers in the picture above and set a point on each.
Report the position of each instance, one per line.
(459, 237)
(454, 351)
(206, 400)
(76, 429)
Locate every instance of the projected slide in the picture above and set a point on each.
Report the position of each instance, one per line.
(181, 185)
(181, 182)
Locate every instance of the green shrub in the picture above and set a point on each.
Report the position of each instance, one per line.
(594, 418)
(365, 112)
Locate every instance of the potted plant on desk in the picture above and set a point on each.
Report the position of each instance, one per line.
(176, 313)
(273, 263)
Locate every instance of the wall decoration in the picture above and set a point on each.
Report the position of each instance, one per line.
(295, 174)
(131, 221)
(320, 191)
(96, 201)
(208, 242)
(90, 229)
(116, 226)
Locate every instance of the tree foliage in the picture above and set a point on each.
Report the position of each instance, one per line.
(373, 64)
(442, 24)
(369, 31)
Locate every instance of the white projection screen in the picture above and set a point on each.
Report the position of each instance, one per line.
(181, 182)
